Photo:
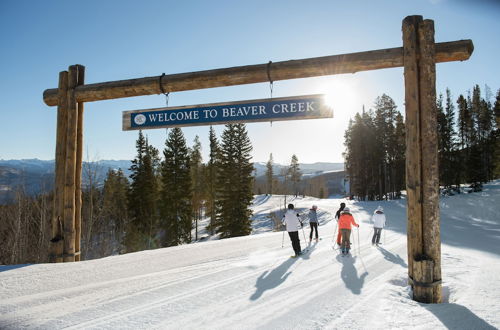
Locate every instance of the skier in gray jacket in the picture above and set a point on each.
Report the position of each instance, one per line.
(313, 222)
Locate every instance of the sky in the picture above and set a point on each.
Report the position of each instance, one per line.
(122, 39)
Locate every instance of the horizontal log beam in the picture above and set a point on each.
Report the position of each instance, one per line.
(319, 66)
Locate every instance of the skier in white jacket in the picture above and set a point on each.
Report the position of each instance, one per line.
(292, 223)
(378, 220)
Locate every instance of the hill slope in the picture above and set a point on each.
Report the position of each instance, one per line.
(250, 282)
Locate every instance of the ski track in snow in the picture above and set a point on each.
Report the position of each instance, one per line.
(250, 282)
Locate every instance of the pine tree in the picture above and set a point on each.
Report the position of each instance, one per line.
(446, 141)
(197, 179)
(359, 163)
(176, 192)
(497, 137)
(234, 182)
(399, 179)
(375, 152)
(486, 124)
(475, 166)
(143, 198)
(269, 175)
(465, 128)
(115, 202)
(295, 174)
(211, 181)
(385, 151)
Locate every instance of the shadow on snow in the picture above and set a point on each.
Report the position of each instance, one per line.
(349, 274)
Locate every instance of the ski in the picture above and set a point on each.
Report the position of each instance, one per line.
(301, 253)
(311, 241)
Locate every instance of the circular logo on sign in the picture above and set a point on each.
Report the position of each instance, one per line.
(139, 119)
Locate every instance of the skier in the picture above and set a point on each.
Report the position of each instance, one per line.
(292, 222)
(337, 216)
(313, 222)
(345, 221)
(378, 219)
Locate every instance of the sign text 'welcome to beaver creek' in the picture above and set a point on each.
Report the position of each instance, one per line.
(275, 109)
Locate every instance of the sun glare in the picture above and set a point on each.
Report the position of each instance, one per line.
(340, 94)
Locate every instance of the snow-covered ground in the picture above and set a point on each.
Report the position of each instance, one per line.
(250, 282)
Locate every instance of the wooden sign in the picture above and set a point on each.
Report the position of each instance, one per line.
(275, 109)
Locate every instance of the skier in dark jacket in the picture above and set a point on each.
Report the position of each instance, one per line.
(337, 216)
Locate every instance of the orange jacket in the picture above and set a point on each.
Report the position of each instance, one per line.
(345, 221)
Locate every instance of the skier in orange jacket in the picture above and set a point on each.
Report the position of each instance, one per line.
(345, 221)
(337, 216)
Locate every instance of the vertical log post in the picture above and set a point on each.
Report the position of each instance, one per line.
(78, 171)
(413, 151)
(430, 173)
(69, 186)
(56, 241)
(422, 177)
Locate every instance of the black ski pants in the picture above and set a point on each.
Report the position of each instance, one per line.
(376, 235)
(314, 226)
(294, 237)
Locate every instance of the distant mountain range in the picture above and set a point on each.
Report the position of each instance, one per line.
(306, 169)
(35, 175)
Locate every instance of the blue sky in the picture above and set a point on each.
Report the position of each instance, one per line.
(122, 39)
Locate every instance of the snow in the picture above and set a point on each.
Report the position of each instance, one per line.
(250, 282)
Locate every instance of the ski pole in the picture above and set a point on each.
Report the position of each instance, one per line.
(283, 238)
(359, 249)
(305, 242)
(334, 238)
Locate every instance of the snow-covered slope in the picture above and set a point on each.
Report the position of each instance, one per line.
(250, 282)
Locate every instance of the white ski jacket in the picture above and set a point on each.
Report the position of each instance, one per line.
(378, 219)
(291, 221)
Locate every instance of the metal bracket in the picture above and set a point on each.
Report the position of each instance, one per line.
(422, 284)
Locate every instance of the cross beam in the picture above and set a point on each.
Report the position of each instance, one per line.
(310, 67)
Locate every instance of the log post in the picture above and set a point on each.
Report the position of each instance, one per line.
(69, 187)
(413, 150)
(422, 280)
(422, 176)
(430, 172)
(78, 170)
(56, 241)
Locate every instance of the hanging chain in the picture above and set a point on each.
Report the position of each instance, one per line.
(269, 77)
(167, 94)
(270, 82)
(162, 90)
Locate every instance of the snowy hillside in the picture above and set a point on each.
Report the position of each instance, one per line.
(250, 282)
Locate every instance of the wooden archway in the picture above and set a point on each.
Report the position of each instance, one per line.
(418, 57)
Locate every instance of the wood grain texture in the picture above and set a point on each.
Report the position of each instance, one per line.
(250, 74)
(429, 140)
(413, 148)
(70, 162)
(56, 245)
(78, 167)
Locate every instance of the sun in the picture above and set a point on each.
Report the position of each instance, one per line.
(340, 93)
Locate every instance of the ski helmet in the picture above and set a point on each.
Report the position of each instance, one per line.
(314, 207)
